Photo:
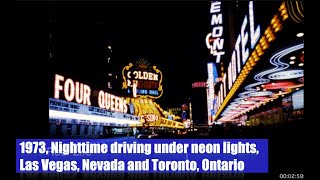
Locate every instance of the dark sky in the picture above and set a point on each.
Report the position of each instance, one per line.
(170, 35)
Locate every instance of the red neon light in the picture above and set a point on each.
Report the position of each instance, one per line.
(258, 98)
(279, 85)
(302, 58)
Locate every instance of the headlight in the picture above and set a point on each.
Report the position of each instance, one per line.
(149, 136)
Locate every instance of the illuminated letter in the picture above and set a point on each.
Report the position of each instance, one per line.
(229, 77)
(120, 105)
(86, 95)
(145, 75)
(57, 86)
(215, 7)
(112, 102)
(116, 103)
(214, 31)
(254, 34)
(225, 85)
(233, 60)
(218, 43)
(244, 36)
(128, 74)
(216, 19)
(233, 69)
(125, 108)
(79, 92)
(150, 76)
(218, 54)
(238, 53)
(101, 99)
(135, 73)
(156, 77)
(107, 100)
(69, 94)
(140, 75)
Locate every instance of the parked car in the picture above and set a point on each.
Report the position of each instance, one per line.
(147, 134)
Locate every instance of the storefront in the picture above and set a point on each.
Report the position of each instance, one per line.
(75, 113)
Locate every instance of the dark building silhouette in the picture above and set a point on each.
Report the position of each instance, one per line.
(199, 105)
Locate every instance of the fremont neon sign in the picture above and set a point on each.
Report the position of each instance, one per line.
(217, 31)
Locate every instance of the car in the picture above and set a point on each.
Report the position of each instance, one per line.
(182, 131)
(147, 134)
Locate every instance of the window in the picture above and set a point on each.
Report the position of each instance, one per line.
(86, 129)
(69, 127)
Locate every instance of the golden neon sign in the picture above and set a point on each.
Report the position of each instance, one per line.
(142, 80)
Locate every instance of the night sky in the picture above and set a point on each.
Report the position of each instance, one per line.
(170, 35)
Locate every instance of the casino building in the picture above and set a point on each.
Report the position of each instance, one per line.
(262, 81)
(79, 109)
(143, 84)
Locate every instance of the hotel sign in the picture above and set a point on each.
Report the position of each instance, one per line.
(246, 41)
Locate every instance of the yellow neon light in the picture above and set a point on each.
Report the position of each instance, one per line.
(124, 84)
(292, 13)
(300, 3)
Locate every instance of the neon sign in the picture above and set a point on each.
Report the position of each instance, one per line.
(81, 93)
(199, 84)
(72, 90)
(210, 93)
(216, 49)
(289, 74)
(142, 80)
(150, 117)
(246, 41)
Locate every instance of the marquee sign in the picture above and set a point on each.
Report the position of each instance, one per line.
(142, 80)
(150, 117)
(72, 107)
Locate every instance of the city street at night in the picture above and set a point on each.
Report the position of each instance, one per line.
(139, 72)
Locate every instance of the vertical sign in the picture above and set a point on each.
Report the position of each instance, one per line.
(210, 92)
(217, 30)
